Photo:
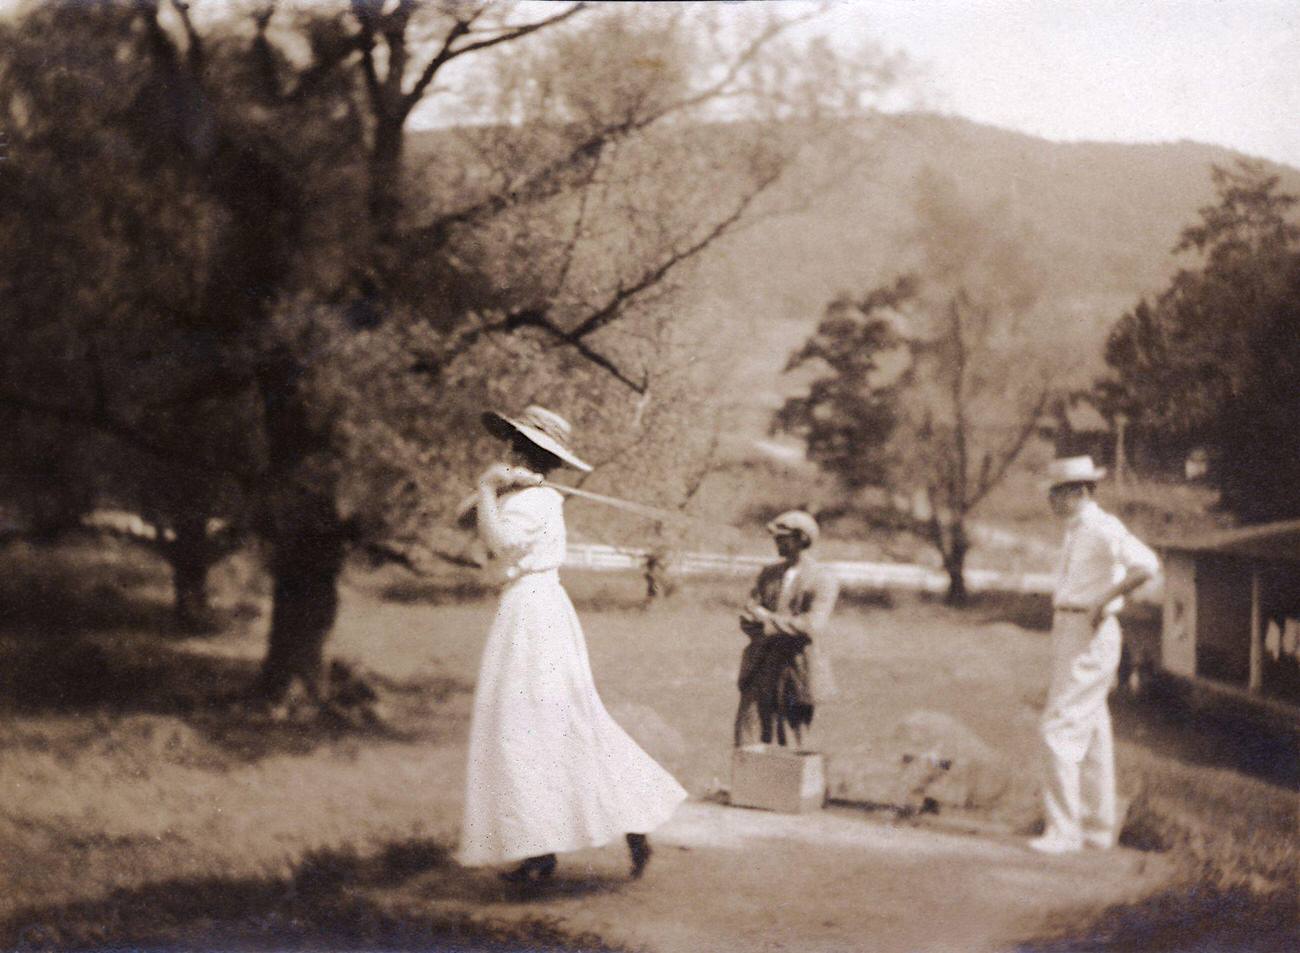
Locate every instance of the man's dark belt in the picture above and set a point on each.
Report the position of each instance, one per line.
(1070, 609)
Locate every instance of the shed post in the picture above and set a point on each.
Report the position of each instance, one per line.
(1256, 634)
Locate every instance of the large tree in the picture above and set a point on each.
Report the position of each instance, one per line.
(1213, 360)
(110, 245)
(240, 231)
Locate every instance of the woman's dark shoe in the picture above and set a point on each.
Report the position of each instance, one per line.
(533, 870)
(638, 845)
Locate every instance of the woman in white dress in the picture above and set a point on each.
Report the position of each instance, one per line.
(549, 769)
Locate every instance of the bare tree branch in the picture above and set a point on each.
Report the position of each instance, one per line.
(1009, 453)
(599, 360)
(543, 182)
(745, 57)
(458, 29)
(611, 310)
(461, 28)
(540, 184)
(515, 321)
(579, 221)
(623, 295)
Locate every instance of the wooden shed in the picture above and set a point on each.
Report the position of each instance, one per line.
(1231, 615)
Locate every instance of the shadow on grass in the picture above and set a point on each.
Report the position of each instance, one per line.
(1166, 722)
(1187, 919)
(127, 684)
(1028, 610)
(451, 591)
(90, 584)
(333, 900)
(78, 587)
(124, 674)
(87, 630)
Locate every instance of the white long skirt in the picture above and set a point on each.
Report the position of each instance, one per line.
(549, 769)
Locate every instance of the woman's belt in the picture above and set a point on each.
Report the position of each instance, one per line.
(514, 573)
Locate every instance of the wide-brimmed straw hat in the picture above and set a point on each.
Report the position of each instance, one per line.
(1067, 470)
(545, 428)
(795, 521)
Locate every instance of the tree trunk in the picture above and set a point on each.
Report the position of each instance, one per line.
(303, 526)
(191, 556)
(305, 569)
(655, 573)
(954, 563)
(385, 177)
(957, 594)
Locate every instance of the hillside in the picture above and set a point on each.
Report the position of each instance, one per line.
(1102, 219)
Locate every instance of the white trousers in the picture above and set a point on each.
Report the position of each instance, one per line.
(1079, 769)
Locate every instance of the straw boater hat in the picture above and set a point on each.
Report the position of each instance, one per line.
(795, 521)
(1067, 470)
(545, 428)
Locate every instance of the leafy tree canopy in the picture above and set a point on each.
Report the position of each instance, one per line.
(1213, 359)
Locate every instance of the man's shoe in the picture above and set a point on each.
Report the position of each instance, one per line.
(1051, 844)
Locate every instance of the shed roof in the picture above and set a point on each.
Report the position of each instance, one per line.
(1265, 541)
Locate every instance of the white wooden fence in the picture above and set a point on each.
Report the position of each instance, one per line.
(864, 575)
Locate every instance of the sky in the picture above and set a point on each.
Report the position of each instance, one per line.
(1225, 72)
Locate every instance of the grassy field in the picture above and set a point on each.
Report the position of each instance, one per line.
(142, 804)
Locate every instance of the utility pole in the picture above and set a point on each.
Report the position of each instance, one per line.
(1121, 424)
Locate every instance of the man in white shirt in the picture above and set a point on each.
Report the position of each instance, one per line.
(1100, 563)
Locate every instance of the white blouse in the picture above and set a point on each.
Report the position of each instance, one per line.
(532, 525)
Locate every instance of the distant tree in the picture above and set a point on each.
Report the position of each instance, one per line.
(848, 416)
(934, 382)
(1213, 361)
(982, 409)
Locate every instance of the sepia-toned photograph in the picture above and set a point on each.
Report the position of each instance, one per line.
(578, 476)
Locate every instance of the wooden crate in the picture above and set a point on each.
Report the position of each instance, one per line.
(778, 779)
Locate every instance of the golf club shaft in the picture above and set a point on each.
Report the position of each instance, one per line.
(640, 509)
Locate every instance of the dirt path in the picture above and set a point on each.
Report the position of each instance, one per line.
(731, 879)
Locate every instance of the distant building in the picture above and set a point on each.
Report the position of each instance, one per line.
(1077, 427)
(1231, 614)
